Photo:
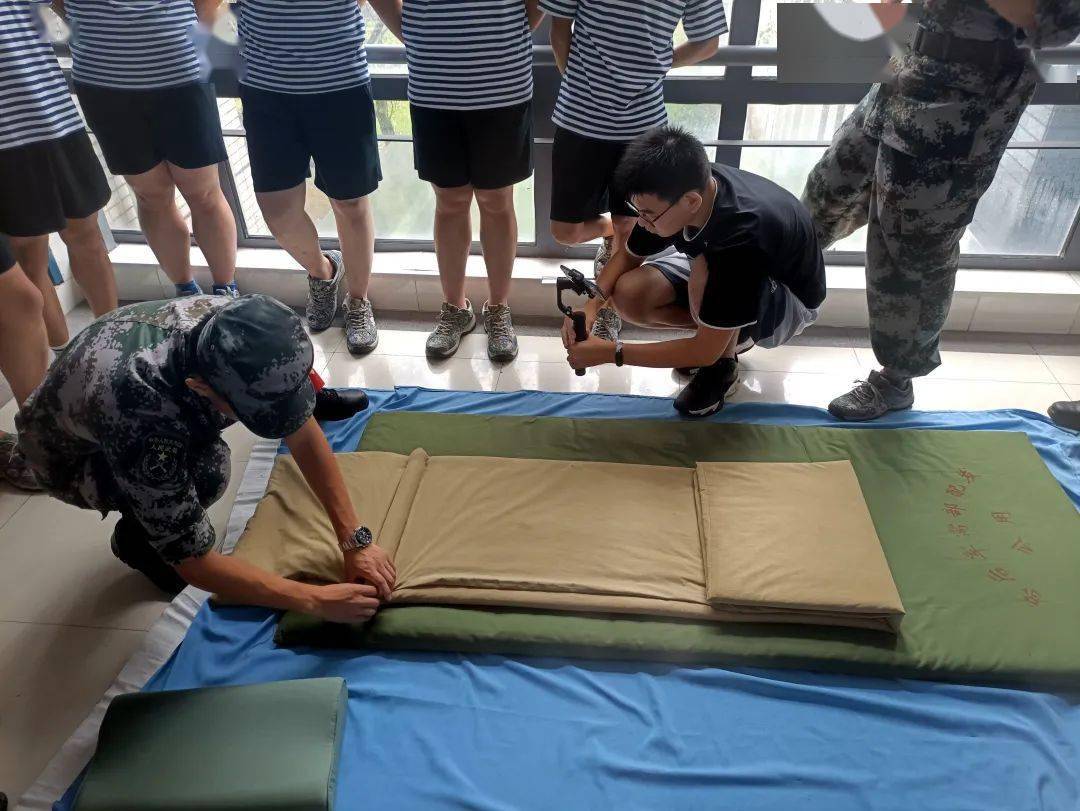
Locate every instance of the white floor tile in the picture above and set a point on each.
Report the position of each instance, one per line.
(219, 511)
(240, 441)
(797, 388)
(609, 379)
(814, 359)
(1057, 344)
(61, 570)
(1072, 391)
(10, 502)
(1066, 368)
(1017, 368)
(387, 371)
(977, 395)
(50, 679)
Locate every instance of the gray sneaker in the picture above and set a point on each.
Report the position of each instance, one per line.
(13, 467)
(603, 255)
(361, 336)
(502, 343)
(872, 398)
(322, 301)
(607, 325)
(453, 324)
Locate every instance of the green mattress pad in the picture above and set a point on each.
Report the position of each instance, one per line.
(982, 542)
(268, 747)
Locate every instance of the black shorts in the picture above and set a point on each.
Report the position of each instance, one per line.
(286, 131)
(581, 173)
(138, 129)
(486, 149)
(56, 181)
(7, 258)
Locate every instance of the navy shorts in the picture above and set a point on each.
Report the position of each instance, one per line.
(336, 130)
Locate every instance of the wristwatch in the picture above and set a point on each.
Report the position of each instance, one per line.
(360, 539)
(618, 352)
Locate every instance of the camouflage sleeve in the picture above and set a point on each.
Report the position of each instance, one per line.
(1057, 22)
(154, 476)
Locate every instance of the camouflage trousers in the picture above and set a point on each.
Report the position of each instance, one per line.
(96, 489)
(916, 210)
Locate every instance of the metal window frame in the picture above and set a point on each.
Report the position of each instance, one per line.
(734, 91)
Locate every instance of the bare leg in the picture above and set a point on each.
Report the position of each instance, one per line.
(453, 237)
(211, 219)
(498, 238)
(24, 348)
(644, 297)
(356, 230)
(575, 233)
(166, 232)
(90, 263)
(293, 229)
(622, 227)
(32, 254)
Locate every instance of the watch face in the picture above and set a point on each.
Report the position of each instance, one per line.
(362, 537)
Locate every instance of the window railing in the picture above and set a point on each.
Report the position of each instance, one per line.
(779, 129)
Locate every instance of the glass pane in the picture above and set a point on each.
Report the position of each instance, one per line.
(702, 120)
(794, 122)
(404, 206)
(1028, 210)
(378, 34)
(700, 70)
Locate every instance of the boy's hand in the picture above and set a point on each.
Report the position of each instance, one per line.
(372, 566)
(345, 602)
(590, 352)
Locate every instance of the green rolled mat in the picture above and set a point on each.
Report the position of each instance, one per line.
(982, 542)
(271, 747)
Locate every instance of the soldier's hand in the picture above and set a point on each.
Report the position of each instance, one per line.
(373, 566)
(346, 602)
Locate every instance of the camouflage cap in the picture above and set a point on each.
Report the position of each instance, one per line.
(255, 353)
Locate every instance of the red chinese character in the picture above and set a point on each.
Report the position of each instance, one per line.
(971, 553)
(1032, 597)
(955, 510)
(956, 490)
(958, 529)
(1020, 546)
(998, 574)
(1002, 518)
(966, 475)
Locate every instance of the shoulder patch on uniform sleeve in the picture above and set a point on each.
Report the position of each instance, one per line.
(162, 459)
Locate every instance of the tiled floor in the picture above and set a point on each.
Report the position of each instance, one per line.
(70, 614)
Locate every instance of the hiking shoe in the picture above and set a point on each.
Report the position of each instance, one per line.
(706, 391)
(1066, 414)
(607, 325)
(229, 290)
(332, 405)
(322, 302)
(132, 547)
(453, 324)
(502, 342)
(361, 336)
(872, 398)
(13, 467)
(603, 255)
(188, 289)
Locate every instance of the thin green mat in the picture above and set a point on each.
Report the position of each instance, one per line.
(982, 542)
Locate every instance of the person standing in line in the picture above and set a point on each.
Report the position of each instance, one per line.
(613, 55)
(142, 87)
(912, 162)
(470, 99)
(50, 179)
(307, 97)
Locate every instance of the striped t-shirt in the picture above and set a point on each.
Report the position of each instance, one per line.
(467, 54)
(35, 104)
(620, 52)
(302, 46)
(133, 44)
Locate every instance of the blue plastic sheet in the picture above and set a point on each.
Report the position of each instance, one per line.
(437, 731)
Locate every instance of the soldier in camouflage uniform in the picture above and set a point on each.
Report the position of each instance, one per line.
(911, 163)
(129, 418)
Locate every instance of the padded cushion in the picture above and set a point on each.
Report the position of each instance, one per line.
(271, 747)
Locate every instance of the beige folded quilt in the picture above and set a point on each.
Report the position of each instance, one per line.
(592, 537)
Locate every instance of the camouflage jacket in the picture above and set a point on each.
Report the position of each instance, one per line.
(114, 413)
(960, 112)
